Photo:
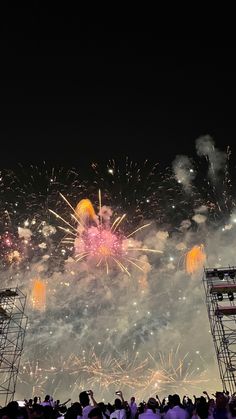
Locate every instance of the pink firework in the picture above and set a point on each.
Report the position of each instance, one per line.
(99, 242)
(10, 249)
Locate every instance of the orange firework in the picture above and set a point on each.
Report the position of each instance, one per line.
(39, 295)
(195, 259)
(84, 210)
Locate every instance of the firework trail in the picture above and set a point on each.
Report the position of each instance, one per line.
(92, 315)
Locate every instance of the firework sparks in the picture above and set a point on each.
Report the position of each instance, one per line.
(31, 372)
(102, 243)
(9, 249)
(114, 372)
(168, 372)
(174, 373)
(146, 210)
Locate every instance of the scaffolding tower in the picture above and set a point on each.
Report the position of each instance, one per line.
(220, 289)
(13, 323)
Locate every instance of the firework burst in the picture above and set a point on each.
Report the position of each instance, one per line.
(110, 373)
(98, 241)
(174, 373)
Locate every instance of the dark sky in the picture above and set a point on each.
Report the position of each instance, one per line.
(73, 92)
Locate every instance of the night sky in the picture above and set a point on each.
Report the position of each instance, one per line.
(73, 92)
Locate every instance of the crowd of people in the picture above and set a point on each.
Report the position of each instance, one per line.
(221, 405)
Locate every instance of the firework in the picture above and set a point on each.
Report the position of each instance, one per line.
(102, 243)
(164, 372)
(195, 259)
(172, 372)
(11, 250)
(39, 295)
(109, 373)
(82, 256)
(84, 211)
(32, 375)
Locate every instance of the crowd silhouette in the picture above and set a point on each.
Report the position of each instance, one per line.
(220, 405)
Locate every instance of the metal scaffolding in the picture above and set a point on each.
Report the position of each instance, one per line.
(220, 289)
(13, 323)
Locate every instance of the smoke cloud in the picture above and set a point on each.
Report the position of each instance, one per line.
(205, 146)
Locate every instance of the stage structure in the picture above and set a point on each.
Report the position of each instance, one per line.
(220, 289)
(13, 323)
